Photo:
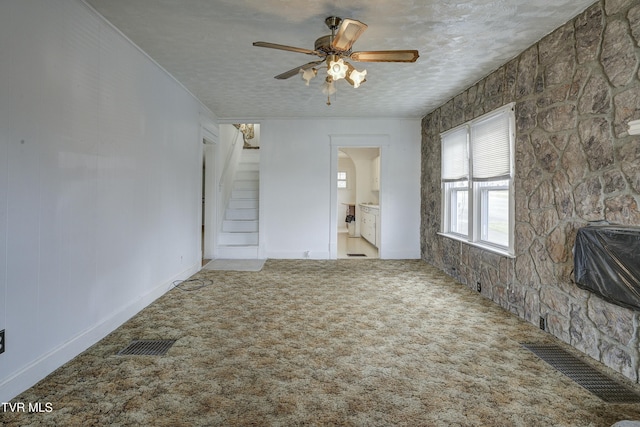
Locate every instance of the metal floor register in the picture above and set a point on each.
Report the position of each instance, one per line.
(147, 348)
(597, 383)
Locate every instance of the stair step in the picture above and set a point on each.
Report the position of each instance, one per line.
(244, 184)
(248, 166)
(253, 175)
(250, 155)
(243, 204)
(241, 214)
(240, 225)
(244, 194)
(238, 238)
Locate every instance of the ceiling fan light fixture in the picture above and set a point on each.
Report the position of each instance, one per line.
(308, 74)
(333, 49)
(329, 86)
(357, 77)
(337, 69)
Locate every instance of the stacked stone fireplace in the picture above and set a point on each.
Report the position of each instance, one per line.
(575, 90)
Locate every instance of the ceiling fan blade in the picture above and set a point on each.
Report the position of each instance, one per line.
(288, 48)
(347, 34)
(385, 56)
(292, 72)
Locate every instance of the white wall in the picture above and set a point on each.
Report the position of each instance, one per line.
(298, 200)
(100, 164)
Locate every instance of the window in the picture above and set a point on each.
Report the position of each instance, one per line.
(342, 179)
(459, 205)
(477, 181)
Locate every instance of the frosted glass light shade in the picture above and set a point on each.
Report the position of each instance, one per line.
(357, 77)
(337, 69)
(308, 74)
(329, 87)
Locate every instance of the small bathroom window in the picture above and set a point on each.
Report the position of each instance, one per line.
(342, 179)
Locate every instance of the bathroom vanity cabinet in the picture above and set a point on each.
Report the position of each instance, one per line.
(370, 223)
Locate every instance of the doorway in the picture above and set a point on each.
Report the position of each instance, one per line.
(354, 141)
(358, 202)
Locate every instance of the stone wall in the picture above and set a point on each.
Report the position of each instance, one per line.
(575, 90)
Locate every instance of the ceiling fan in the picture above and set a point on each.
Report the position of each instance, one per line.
(333, 49)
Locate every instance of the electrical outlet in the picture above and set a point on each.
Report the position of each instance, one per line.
(478, 287)
(2, 341)
(543, 323)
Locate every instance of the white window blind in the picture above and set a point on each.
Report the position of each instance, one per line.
(477, 181)
(455, 155)
(491, 147)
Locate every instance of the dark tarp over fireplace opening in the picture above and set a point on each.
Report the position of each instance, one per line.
(607, 263)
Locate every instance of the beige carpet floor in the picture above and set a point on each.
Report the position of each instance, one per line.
(303, 343)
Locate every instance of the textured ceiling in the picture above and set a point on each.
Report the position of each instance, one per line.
(207, 46)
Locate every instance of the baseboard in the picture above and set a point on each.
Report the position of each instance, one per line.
(298, 255)
(49, 362)
(401, 255)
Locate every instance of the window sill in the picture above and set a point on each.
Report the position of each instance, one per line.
(486, 247)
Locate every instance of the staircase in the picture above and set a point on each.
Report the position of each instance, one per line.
(238, 238)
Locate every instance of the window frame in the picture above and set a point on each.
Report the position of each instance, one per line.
(478, 191)
(450, 201)
(345, 180)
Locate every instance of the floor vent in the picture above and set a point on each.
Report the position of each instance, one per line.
(147, 348)
(361, 255)
(599, 384)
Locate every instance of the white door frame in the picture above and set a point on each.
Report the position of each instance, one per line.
(210, 221)
(380, 141)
